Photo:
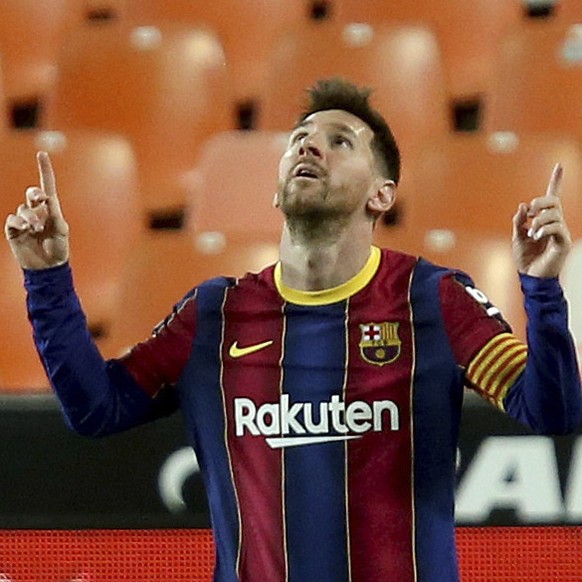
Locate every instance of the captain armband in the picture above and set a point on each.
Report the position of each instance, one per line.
(496, 367)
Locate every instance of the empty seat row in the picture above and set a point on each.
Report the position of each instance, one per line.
(31, 35)
(538, 86)
(4, 123)
(468, 34)
(167, 89)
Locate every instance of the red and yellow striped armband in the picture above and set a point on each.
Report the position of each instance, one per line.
(496, 367)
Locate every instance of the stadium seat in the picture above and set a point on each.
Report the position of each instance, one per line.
(247, 29)
(20, 367)
(468, 32)
(97, 183)
(402, 64)
(163, 267)
(31, 34)
(569, 11)
(165, 88)
(3, 102)
(539, 81)
(234, 184)
(104, 11)
(476, 182)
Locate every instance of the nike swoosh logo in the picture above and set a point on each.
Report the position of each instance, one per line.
(284, 442)
(236, 352)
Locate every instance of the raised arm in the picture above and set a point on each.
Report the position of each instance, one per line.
(98, 397)
(547, 396)
(538, 383)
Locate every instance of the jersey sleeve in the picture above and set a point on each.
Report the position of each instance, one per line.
(537, 383)
(481, 339)
(470, 319)
(98, 396)
(547, 397)
(157, 363)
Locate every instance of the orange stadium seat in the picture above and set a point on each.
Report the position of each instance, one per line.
(401, 63)
(235, 182)
(476, 182)
(569, 11)
(163, 267)
(247, 29)
(97, 184)
(31, 34)
(3, 102)
(468, 33)
(165, 88)
(20, 367)
(104, 10)
(539, 81)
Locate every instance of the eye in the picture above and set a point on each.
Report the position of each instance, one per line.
(341, 140)
(299, 135)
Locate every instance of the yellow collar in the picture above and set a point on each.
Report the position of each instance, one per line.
(335, 294)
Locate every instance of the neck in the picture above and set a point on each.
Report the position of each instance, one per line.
(325, 257)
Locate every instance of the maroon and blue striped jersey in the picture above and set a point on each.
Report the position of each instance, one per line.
(325, 423)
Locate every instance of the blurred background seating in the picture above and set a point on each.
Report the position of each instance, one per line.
(538, 85)
(165, 88)
(468, 33)
(401, 63)
(568, 11)
(31, 34)
(98, 187)
(20, 367)
(476, 182)
(247, 30)
(234, 184)
(3, 102)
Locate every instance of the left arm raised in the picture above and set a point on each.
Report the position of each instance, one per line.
(547, 396)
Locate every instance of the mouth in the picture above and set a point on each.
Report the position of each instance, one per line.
(307, 172)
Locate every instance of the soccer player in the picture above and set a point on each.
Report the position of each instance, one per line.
(322, 395)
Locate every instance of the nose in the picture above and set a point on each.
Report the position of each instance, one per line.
(310, 147)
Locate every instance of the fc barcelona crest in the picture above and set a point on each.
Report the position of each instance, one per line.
(380, 343)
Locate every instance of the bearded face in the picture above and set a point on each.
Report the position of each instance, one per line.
(328, 168)
(315, 197)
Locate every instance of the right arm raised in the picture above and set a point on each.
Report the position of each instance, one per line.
(38, 233)
(98, 397)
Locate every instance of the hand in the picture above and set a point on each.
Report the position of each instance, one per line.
(38, 234)
(541, 248)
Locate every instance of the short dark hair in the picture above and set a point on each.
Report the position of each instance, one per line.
(338, 93)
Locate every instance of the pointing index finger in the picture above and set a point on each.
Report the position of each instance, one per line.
(555, 181)
(46, 173)
(48, 183)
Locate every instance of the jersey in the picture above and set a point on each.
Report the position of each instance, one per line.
(325, 423)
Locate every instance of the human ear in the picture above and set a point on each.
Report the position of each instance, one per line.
(383, 197)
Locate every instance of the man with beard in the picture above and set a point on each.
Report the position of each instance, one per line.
(322, 395)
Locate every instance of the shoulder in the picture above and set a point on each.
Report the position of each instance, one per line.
(214, 291)
(421, 269)
(430, 281)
